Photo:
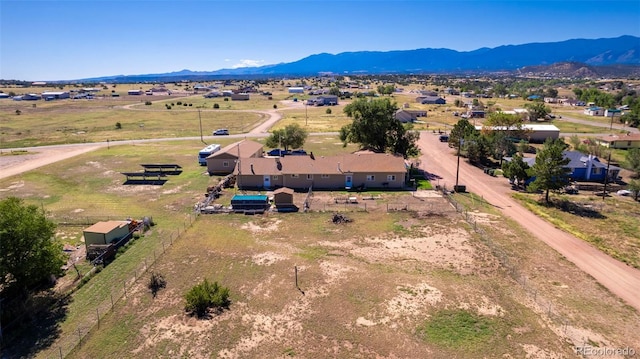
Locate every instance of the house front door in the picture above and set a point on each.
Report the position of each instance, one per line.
(266, 182)
(348, 181)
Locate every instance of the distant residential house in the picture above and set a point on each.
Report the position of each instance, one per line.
(377, 170)
(571, 102)
(475, 114)
(533, 97)
(407, 116)
(135, 92)
(428, 93)
(55, 95)
(243, 96)
(451, 91)
(594, 111)
(27, 97)
(4, 95)
(550, 100)
(588, 167)
(581, 167)
(612, 112)
(212, 94)
(532, 132)
(324, 100)
(224, 161)
(431, 100)
(620, 141)
(296, 89)
(39, 83)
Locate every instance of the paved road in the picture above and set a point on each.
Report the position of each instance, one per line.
(439, 161)
(617, 126)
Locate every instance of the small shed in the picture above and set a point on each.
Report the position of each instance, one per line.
(283, 198)
(249, 203)
(106, 232)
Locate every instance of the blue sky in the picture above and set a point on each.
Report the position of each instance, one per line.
(63, 40)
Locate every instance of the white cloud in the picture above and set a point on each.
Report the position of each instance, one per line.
(248, 63)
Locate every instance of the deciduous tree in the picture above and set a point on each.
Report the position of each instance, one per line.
(374, 127)
(292, 136)
(633, 160)
(537, 110)
(516, 170)
(29, 254)
(549, 171)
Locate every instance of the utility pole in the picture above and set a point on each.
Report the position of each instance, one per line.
(306, 116)
(200, 118)
(458, 167)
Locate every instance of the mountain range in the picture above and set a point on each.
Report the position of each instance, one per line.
(623, 50)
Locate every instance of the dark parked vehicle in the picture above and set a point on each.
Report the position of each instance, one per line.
(298, 153)
(277, 152)
(444, 138)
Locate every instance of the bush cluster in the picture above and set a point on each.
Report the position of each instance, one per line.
(205, 296)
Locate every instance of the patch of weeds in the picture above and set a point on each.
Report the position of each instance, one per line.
(289, 352)
(313, 253)
(458, 329)
(408, 290)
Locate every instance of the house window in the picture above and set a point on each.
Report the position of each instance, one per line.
(225, 164)
(391, 177)
(371, 177)
(309, 176)
(295, 176)
(325, 176)
(597, 170)
(275, 178)
(628, 143)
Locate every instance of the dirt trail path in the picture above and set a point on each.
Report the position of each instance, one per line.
(620, 279)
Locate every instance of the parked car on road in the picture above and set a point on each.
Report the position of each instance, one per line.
(221, 132)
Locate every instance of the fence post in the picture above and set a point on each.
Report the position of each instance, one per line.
(162, 246)
(79, 337)
(98, 316)
(111, 300)
(124, 285)
(60, 351)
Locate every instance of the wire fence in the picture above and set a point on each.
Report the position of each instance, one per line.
(92, 316)
(543, 305)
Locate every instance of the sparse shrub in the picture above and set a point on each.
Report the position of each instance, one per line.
(167, 106)
(185, 104)
(328, 111)
(148, 103)
(18, 112)
(215, 105)
(226, 99)
(190, 104)
(205, 296)
(275, 106)
(179, 103)
(156, 282)
(118, 126)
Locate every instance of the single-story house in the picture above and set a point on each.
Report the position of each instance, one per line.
(296, 89)
(571, 102)
(324, 100)
(105, 232)
(431, 100)
(27, 97)
(55, 95)
(371, 170)
(594, 111)
(588, 167)
(581, 167)
(4, 95)
(611, 112)
(406, 116)
(532, 132)
(243, 96)
(224, 161)
(451, 91)
(135, 92)
(620, 141)
(425, 93)
(212, 94)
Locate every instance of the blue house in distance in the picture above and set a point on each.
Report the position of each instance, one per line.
(581, 167)
(588, 168)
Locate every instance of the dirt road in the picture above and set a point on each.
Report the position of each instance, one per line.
(439, 160)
